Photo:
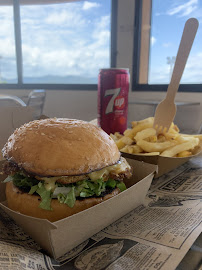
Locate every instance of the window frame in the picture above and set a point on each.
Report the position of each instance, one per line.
(141, 7)
(52, 86)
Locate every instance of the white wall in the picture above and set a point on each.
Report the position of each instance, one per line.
(83, 105)
(188, 118)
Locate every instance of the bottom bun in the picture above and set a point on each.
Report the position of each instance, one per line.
(29, 204)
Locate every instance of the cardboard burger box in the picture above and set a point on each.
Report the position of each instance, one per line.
(61, 236)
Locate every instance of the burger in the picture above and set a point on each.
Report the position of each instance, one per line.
(58, 167)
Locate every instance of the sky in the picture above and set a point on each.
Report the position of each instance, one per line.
(73, 39)
(60, 40)
(168, 19)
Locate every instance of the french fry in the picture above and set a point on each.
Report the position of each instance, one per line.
(172, 135)
(131, 149)
(199, 136)
(161, 138)
(173, 151)
(113, 136)
(145, 133)
(150, 154)
(142, 139)
(146, 120)
(155, 147)
(173, 128)
(128, 133)
(134, 123)
(118, 135)
(184, 154)
(127, 149)
(140, 127)
(152, 139)
(123, 141)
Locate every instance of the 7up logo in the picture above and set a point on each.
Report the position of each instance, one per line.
(116, 101)
(119, 102)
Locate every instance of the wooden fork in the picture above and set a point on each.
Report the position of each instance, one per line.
(166, 109)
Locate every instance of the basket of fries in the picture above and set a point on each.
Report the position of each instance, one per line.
(167, 150)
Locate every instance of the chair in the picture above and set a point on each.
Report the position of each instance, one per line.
(36, 100)
(11, 101)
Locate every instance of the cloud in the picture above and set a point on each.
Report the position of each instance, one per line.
(7, 41)
(65, 18)
(6, 22)
(192, 71)
(184, 9)
(159, 74)
(153, 40)
(167, 44)
(57, 40)
(88, 5)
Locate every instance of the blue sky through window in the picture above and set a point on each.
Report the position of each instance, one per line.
(168, 19)
(70, 42)
(7, 45)
(64, 43)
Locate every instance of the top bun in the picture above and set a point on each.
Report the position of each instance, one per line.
(59, 146)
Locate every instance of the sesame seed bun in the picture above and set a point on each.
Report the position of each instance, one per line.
(59, 146)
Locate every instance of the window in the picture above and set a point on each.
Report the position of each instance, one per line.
(8, 69)
(62, 44)
(59, 44)
(158, 33)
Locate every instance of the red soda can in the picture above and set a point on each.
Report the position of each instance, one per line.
(113, 88)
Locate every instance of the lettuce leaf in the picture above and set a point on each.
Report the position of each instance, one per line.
(46, 195)
(111, 183)
(70, 198)
(121, 186)
(33, 185)
(22, 181)
(46, 199)
(8, 179)
(86, 193)
(33, 189)
(61, 198)
(84, 189)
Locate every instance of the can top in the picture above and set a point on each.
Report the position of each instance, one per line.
(103, 69)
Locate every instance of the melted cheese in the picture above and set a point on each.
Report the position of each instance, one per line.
(50, 183)
(115, 169)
